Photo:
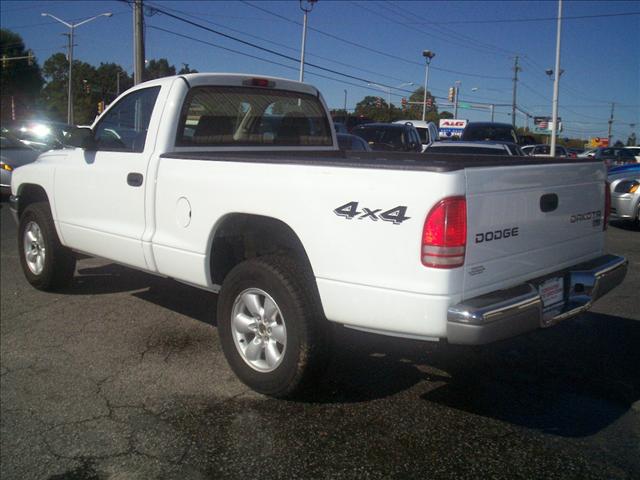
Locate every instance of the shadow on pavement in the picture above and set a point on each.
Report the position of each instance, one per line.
(571, 380)
(625, 225)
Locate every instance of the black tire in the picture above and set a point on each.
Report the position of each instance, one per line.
(307, 342)
(59, 262)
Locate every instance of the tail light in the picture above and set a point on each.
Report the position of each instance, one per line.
(444, 235)
(607, 204)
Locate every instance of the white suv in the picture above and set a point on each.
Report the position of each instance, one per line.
(428, 131)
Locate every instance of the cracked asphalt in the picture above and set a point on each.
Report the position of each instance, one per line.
(122, 377)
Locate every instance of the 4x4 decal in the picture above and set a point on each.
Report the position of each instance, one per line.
(395, 215)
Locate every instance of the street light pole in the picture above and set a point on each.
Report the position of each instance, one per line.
(428, 55)
(72, 27)
(306, 11)
(457, 92)
(556, 84)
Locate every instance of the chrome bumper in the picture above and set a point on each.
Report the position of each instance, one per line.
(506, 313)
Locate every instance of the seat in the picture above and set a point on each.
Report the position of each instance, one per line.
(292, 128)
(214, 129)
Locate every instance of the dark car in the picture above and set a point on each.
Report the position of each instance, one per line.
(347, 141)
(351, 121)
(390, 136)
(482, 131)
(613, 156)
(475, 148)
(40, 134)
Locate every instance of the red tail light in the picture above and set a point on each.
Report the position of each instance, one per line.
(607, 204)
(444, 235)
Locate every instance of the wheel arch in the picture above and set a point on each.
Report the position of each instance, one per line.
(30, 193)
(240, 236)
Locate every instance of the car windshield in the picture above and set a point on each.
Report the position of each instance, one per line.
(500, 134)
(383, 137)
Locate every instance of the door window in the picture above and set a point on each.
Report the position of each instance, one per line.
(124, 127)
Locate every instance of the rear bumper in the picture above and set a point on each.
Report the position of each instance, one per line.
(507, 313)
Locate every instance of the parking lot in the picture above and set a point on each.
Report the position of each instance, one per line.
(123, 377)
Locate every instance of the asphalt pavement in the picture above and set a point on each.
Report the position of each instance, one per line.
(122, 377)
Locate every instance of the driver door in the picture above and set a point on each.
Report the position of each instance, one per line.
(100, 194)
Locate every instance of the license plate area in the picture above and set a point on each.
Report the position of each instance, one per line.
(551, 293)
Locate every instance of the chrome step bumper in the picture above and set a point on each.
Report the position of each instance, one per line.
(506, 313)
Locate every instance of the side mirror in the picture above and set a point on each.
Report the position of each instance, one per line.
(81, 137)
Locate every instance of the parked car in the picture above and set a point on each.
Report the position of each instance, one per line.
(475, 148)
(13, 154)
(340, 127)
(40, 134)
(587, 153)
(625, 193)
(613, 156)
(498, 132)
(346, 141)
(544, 150)
(636, 152)
(390, 136)
(428, 131)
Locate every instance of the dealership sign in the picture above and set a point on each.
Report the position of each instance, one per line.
(450, 127)
(545, 125)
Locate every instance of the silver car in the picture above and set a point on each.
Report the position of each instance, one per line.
(13, 154)
(625, 193)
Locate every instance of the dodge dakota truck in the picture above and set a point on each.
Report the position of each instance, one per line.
(234, 184)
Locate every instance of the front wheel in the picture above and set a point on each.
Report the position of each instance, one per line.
(272, 331)
(46, 263)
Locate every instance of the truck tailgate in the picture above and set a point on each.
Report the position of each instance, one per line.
(526, 221)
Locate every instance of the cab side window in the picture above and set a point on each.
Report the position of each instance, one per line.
(124, 127)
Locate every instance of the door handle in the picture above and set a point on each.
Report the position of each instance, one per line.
(134, 179)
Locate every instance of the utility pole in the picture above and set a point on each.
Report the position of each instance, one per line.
(610, 123)
(556, 85)
(345, 101)
(428, 56)
(455, 100)
(516, 69)
(70, 90)
(493, 108)
(138, 42)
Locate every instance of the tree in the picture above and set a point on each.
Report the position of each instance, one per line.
(185, 69)
(158, 69)
(414, 108)
(21, 80)
(111, 80)
(86, 91)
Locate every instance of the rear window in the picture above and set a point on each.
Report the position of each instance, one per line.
(392, 138)
(215, 116)
(498, 134)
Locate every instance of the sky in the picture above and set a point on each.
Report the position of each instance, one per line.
(361, 48)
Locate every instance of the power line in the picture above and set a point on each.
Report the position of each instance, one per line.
(286, 46)
(373, 50)
(539, 19)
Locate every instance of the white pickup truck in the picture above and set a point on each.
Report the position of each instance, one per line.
(235, 184)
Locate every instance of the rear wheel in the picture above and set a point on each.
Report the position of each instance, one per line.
(46, 263)
(272, 331)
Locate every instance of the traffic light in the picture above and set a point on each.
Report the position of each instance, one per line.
(5, 61)
(429, 102)
(100, 106)
(87, 88)
(404, 102)
(378, 102)
(30, 59)
(452, 94)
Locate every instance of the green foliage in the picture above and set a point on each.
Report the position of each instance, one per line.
(20, 82)
(158, 69)
(185, 69)
(379, 110)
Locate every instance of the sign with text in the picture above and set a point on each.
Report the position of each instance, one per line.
(545, 124)
(451, 127)
(599, 142)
